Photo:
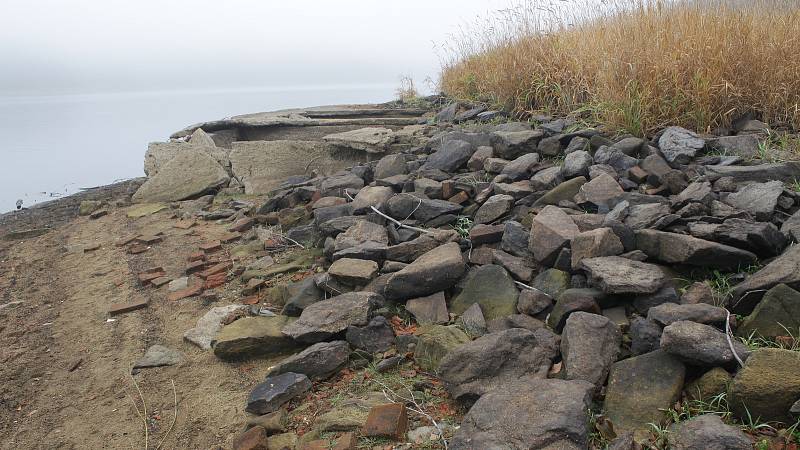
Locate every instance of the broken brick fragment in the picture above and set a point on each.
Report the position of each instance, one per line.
(121, 308)
(212, 246)
(190, 291)
(389, 420)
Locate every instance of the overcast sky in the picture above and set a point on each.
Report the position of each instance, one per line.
(55, 46)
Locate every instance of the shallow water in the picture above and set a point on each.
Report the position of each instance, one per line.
(51, 146)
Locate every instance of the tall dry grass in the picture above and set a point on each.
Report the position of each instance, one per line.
(637, 65)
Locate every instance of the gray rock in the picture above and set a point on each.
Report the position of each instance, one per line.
(699, 191)
(614, 158)
(496, 165)
(376, 336)
(324, 319)
(576, 163)
(370, 139)
(571, 301)
(451, 156)
(431, 188)
(791, 227)
(709, 432)
(553, 411)
(590, 343)
(563, 192)
(629, 145)
(679, 145)
(761, 238)
(476, 161)
(434, 342)
(515, 239)
(645, 336)
(675, 248)
(391, 165)
(276, 391)
(429, 309)
(477, 367)
(646, 215)
(760, 173)
(601, 191)
(514, 321)
(547, 178)
(640, 389)
(745, 145)
(434, 271)
(594, 243)
(784, 269)
(777, 312)
(404, 206)
(550, 146)
(353, 272)
(410, 251)
(300, 296)
(513, 144)
(371, 196)
(520, 167)
(473, 321)
(253, 336)
(158, 356)
(666, 294)
(669, 313)
(533, 302)
(318, 362)
(700, 345)
(495, 207)
(617, 275)
(491, 287)
(759, 199)
(190, 173)
(578, 143)
(552, 231)
(209, 325)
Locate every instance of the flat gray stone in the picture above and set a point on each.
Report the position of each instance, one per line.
(617, 275)
(158, 356)
(190, 173)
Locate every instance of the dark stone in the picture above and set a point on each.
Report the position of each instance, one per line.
(673, 248)
(589, 345)
(645, 336)
(318, 362)
(707, 431)
(434, 271)
(327, 318)
(275, 391)
(570, 301)
(376, 336)
(450, 157)
(700, 345)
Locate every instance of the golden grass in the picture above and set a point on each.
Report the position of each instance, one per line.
(636, 65)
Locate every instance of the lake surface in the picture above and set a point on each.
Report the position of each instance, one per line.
(52, 146)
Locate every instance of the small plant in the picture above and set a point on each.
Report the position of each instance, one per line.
(406, 92)
(755, 341)
(794, 185)
(754, 426)
(462, 226)
(721, 285)
(660, 435)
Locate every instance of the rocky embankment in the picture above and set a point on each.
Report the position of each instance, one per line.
(560, 287)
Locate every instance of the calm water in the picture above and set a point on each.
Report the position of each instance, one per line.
(53, 146)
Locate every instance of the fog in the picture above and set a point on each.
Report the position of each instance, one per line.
(84, 46)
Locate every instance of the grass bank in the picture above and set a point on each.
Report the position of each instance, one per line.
(636, 65)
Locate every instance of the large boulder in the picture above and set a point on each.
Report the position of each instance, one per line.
(477, 367)
(590, 343)
(777, 314)
(434, 271)
(527, 414)
(552, 230)
(673, 248)
(767, 386)
(327, 318)
(190, 173)
(320, 361)
(492, 288)
(617, 275)
(436, 341)
(700, 345)
(709, 432)
(640, 389)
(784, 269)
(253, 336)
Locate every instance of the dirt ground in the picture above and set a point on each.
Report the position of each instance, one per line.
(65, 367)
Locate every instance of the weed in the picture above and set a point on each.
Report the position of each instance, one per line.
(794, 185)
(660, 435)
(462, 226)
(755, 341)
(721, 285)
(754, 426)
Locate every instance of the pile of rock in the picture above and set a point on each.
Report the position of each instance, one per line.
(543, 266)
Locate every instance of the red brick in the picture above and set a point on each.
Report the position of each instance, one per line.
(251, 300)
(158, 282)
(190, 291)
(486, 234)
(243, 224)
(211, 246)
(196, 266)
(657, 191)
(147, 277)
(459, 198)
(216, 280)
(135, 249)
(123, 241)
(346, 441)
(230, 237)
(637, 174)
(222, 267)
(121, 308)
(197, 256)
(319, 444)
(448, 188)
(185, 224)
(387, 421)
(153, 269)
(252, 286)
(253, 439)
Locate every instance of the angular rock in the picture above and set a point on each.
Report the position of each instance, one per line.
(570, 301)
(784, 269)
(336, 185)
(551, 231)
(777, 314)
(520, 167)
(707, 431)
(590, 343)
(495, 207)
(253, 439)
(594, 243)
(513, 144)
(376, 336)
(370, 140)
(673, 248)
(565, 191)
(640, 389)
(533, 302)
(514, 321)
(576, 164)
(477, 160)
(477, 367)
(318, 362)
(757, 173)
(759, 199)
(450, 157)
(434, 271)
(617, 275)
(600, 191)
(491, 287)
(403, 206)
(190, 173)
(553, 411)
(645, 336)
(387, 421)
(646, 215)
(700, 345)
(391, 165)
(275, 391)
(767, 386)
(709, 385)
(360, 232)
(745, 146)
(353, 271)
(515, 239)
(371, 196)
(679, 145)
(436, 341)
(324, 319)
(761, 238)
(669, 313)
(429, 309)
(300, 296)
(253, 336)
(209, 325)
(158, 356)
